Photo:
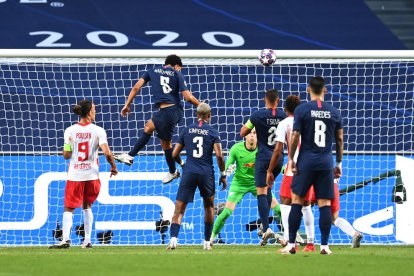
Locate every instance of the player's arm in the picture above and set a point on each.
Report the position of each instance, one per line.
(188, 97)
(134, 91)
(109, 157)
(339, 145)
(294, 141)
(176, 152)
(246, 129)
(67, 147)
(220, 162)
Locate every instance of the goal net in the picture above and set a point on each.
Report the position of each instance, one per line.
(374, 95)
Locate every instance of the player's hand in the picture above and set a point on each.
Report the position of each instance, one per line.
(223, 181)
(125, 111)
(292, 166)
(114, 171)
(270, 179)
(337, 172)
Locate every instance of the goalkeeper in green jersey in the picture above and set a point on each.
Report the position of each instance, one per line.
(241, 161)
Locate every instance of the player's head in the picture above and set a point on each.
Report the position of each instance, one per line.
(204, 112)
(251, 138)
(317, 86)
(174, 61)
(291, 103)
(85, 109)
(272, 98)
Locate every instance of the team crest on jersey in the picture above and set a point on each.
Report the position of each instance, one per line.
(249, 165)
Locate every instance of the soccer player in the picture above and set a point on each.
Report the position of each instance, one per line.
(265, 121)
(82, 141)
(342, 223)
(167, 83)
(283, 133)
(317, 124)
(241, 160)
(199, 140)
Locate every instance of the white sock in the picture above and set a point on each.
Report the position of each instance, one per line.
(345, 226)
(285, 210)
(309, 221)
(87, 222)
(67, 225)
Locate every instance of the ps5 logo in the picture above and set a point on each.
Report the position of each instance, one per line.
(41, 206)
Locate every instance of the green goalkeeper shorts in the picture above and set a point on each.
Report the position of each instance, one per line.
(237, 193)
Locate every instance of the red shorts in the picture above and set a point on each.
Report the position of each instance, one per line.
(286, 191)
(335, 206)
(77, 192)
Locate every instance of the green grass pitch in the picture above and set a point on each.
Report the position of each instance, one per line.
(192, 260)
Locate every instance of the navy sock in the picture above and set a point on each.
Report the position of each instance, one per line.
(295, 218)
(208, 229)
(263, 206)
(170, 160)
(269, 197)
(325, 222)
(141, 142)
(174, 229)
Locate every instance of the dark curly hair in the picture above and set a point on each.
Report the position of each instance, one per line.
(292, 101)
(82, 108)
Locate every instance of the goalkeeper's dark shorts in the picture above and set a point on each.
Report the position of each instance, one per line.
(165, 121)
(190, 182)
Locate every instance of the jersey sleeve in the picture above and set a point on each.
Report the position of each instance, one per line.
(297, 119)
(281, 132)
(231, 158)
(181, 137)
(339, 124)
(181, 82)
(146, 77)
(66, 136)
(251, 122)
(216, 138)
(102, 138)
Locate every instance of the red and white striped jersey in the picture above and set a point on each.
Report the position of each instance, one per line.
(85, 140)
(283, 135)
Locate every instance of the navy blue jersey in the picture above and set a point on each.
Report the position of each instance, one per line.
(166, 83)
(198, 140)
(266, 121)
(317, 123)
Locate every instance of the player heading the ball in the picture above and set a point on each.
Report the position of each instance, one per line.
(199, 140)
(82, 141)
(166, 84)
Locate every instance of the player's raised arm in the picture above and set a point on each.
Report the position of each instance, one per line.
(220, 162)
(339, 145)
(246, 129)
(134, 91)
(188, 97)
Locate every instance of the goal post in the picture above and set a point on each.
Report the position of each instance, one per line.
(372, 89)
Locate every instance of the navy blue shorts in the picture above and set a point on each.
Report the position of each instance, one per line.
(322, 181)
(189, 183)
(165, 121)
(260, 171)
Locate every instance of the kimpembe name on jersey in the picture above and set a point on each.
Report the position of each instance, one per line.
(320, 114)
(198, 131)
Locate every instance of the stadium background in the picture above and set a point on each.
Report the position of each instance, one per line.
(33, 118)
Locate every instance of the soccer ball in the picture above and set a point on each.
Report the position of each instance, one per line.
(267, 57)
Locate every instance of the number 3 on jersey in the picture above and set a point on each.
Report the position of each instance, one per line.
(165, 83)
(320, 137)
(198, 140)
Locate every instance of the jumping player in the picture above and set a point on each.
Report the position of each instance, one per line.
(167, 83)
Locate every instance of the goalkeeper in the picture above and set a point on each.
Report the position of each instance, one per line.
(241, 160)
